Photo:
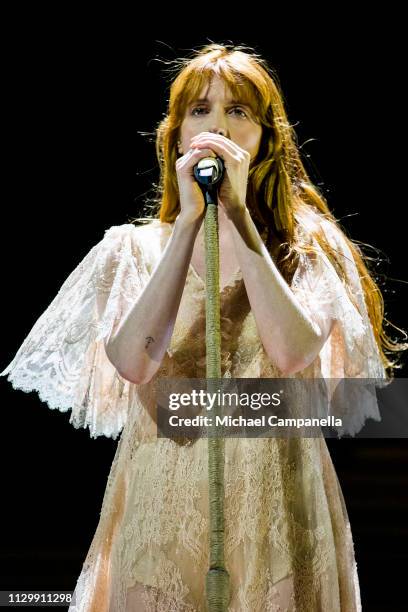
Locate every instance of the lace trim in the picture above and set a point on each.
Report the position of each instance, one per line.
(63, 357)
(351, 350)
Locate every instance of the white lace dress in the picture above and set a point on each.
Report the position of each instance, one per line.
(288, 542)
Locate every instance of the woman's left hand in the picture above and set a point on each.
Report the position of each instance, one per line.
(232, 191)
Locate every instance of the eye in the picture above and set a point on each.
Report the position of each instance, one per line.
(237, 108)
(199, 108)
(197, 111)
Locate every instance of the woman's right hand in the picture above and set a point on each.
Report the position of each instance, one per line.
(192, 202)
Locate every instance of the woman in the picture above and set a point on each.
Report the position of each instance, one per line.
(296, 301)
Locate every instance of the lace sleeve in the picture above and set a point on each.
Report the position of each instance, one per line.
(63, 357)
(351, 350)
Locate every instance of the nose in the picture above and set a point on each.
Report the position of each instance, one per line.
(220, 131)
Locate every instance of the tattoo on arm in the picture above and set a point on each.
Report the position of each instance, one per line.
(149, 339)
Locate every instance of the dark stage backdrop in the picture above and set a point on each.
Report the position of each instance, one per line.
(75, 164)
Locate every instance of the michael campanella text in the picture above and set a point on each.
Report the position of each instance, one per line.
(272, 421)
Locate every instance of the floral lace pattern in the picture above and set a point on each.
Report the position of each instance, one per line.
(288, 542)
(351, 350)
(63, 357)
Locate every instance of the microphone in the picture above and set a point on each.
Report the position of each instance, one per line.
(209, 172)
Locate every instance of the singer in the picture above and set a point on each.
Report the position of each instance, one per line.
(297, 300)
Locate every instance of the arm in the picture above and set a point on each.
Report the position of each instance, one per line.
(290, 338)
(138, 346)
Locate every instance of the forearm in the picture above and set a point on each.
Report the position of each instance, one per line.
(289, 337)
(139, 345)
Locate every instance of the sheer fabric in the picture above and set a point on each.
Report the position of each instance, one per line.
(351, 350)
(288, 544)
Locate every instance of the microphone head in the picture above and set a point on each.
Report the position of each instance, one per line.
(209, 170)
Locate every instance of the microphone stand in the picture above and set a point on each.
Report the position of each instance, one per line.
(209, 173)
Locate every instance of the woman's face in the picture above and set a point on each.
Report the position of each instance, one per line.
(216, 111)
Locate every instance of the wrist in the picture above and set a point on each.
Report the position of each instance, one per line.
(189, 220)
(237, 212)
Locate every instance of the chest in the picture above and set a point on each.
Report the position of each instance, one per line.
(228, 260)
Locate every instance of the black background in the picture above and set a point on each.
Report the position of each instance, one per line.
(77, 92)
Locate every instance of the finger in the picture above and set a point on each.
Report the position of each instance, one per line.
(223, 149)
(207, 138)
(192, 157)
(203, 151)
(193, 153)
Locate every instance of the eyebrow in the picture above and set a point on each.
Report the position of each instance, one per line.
(201, 100)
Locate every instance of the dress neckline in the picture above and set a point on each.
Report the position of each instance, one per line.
(233, 279)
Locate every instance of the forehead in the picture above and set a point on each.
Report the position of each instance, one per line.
(217, 89)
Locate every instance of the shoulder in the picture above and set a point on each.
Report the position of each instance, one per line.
(143, 232)
(311, 221)
(146, 241)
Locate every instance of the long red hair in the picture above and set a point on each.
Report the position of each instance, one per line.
(279, 191)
